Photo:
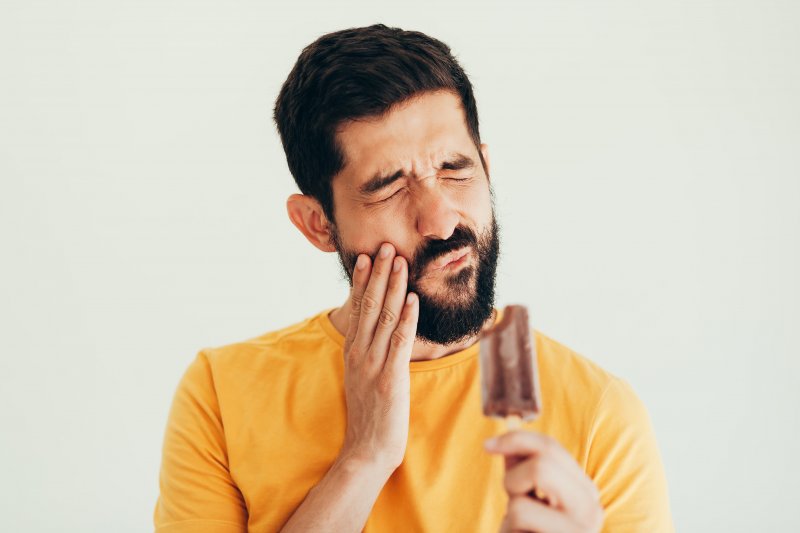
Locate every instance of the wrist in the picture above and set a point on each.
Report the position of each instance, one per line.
(355, 462)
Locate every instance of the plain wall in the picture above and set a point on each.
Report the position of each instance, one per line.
(645, 161)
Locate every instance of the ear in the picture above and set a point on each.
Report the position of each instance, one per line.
(307, 215)
(485, 153)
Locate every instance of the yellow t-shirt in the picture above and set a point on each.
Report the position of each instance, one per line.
(256, 424)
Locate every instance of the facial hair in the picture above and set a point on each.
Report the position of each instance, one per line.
(464, 301)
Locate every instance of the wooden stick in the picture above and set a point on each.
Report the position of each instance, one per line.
(513, 422)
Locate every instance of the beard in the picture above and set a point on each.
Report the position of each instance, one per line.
(462, 303)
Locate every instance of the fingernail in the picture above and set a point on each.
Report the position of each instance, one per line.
(385, 250)
(361, 262)
(396, 265)
(410, 298)
(490, 443)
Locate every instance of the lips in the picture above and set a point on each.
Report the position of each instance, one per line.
(451, 257)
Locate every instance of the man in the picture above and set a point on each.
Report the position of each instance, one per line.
(368, 416)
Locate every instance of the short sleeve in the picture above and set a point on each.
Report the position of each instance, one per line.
(625, 464)
(197, 493)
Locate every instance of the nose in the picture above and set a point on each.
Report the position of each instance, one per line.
(436, 217)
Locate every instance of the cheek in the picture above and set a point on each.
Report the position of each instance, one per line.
(478, 203)
(366, 234)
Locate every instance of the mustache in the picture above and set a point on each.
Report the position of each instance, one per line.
(434, 249)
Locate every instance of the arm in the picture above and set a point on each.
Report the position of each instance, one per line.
(624, 461)
(342, 500)
(197, 493)
(377, 350)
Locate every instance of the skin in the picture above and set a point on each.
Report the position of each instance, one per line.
(379, 317)
(569, 501)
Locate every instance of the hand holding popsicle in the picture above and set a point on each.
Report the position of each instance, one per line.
(538, 462)
(547, 489)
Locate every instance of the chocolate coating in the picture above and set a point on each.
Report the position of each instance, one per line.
(510, 384)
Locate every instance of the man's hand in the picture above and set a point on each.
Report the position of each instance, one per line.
(377, 386)
(377, 351)
(536, 462)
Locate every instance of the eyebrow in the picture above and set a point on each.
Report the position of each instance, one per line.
(379, 181)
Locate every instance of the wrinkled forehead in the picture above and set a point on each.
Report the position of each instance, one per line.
(415, 137)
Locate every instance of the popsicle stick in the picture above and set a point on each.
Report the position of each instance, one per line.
(513, 422)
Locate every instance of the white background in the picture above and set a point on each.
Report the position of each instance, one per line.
(645, 157)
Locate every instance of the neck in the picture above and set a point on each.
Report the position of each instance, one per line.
(422, 350)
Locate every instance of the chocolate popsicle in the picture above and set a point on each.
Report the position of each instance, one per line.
(510, 378)
(510, 383)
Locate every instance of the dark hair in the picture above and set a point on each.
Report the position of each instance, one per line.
(356, 73)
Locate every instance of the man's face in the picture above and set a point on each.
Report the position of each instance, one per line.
(413, 177)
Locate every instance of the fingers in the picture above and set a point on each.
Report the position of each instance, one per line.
(372, 300)
(562, 489)
(526, 514)
(402, 338)
(524, 443)
(546, 466)
(393, 304)
(361, 275)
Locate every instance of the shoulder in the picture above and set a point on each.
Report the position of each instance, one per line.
(575, 378)
(602, 421)
(234, 370)
(286, 340)
(583, 403)
(569, 378)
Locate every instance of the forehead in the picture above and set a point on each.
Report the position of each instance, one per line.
(412, 136)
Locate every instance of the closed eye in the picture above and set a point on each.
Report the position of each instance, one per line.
(459, 179)
(390, 197)
(398, 191)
